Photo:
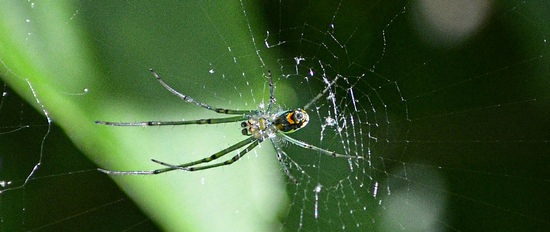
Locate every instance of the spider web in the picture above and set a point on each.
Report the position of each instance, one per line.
(448, 110)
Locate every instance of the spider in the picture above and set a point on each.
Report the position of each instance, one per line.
(257, 125)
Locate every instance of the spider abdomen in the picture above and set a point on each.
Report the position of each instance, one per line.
(292, 120)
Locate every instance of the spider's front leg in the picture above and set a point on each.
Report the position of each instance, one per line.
(191, 165)
(187, 166)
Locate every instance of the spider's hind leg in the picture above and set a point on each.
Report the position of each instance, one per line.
(280, 155)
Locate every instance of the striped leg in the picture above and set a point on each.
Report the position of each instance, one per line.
(191, 100)
(187, 166)
(172, 123)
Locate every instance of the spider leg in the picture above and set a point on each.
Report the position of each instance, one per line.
(227, 162)
(186, 166)
(309, 146)
(191, 100)
(329, 85)
(271, 91)
(280, 154)
(181, 122)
